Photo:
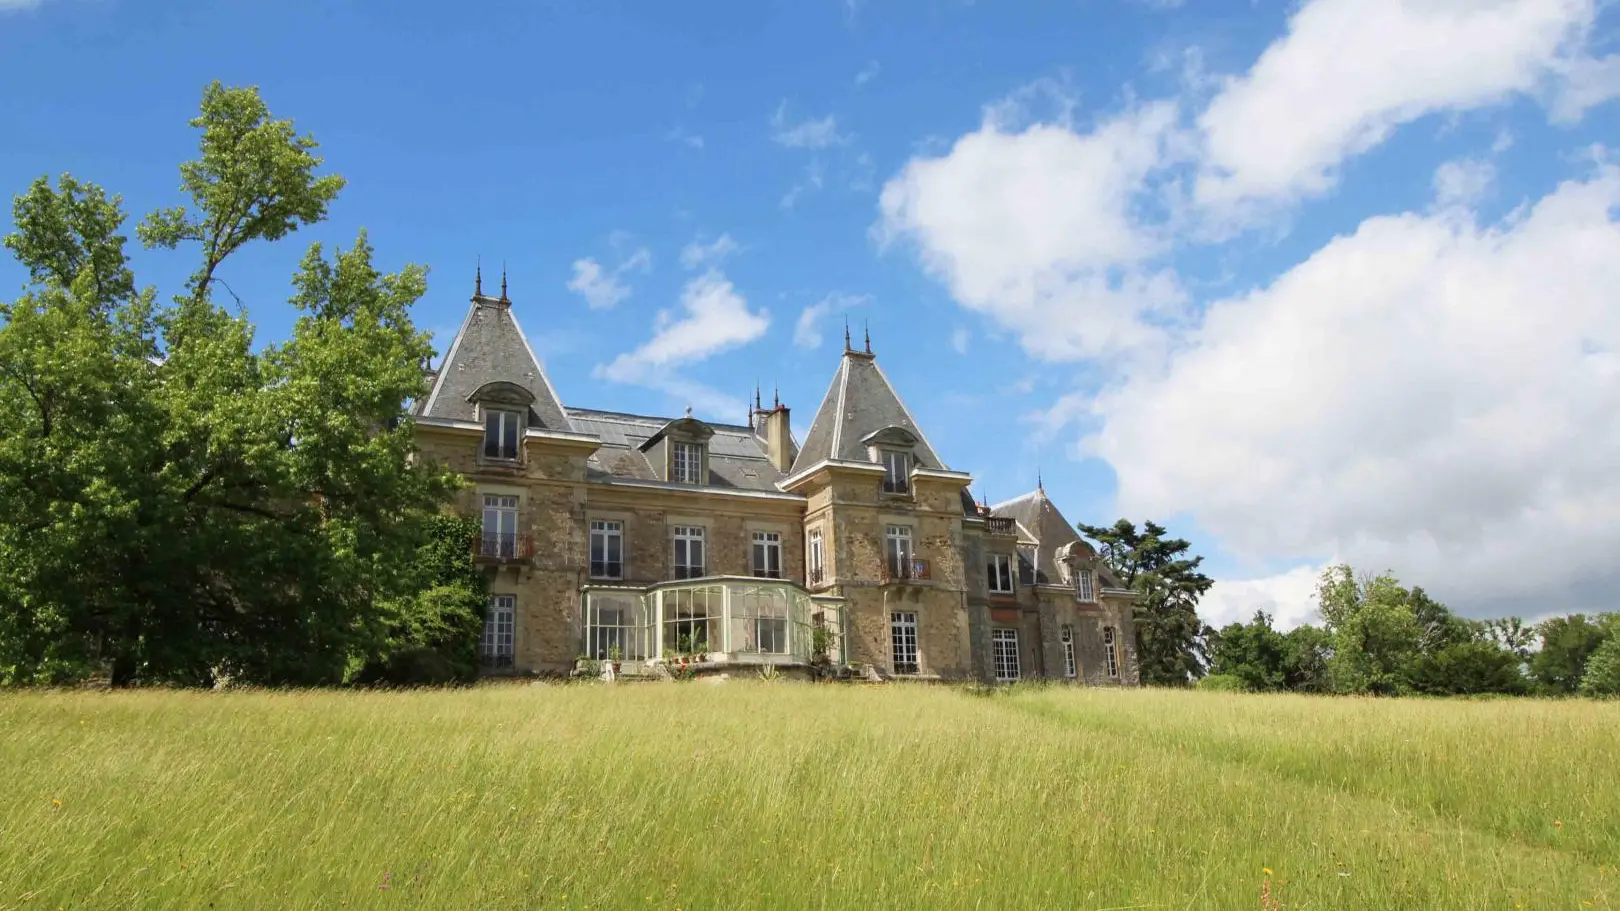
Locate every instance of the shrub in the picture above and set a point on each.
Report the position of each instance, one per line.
(1221, 683)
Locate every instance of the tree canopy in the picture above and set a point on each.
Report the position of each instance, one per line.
(1167, 582)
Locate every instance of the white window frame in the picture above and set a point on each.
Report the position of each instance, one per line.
(815, 557)
(508, 428)
(1069, 667)
(693, 537)
(1004, 653)
(1001, 575)
(904, 655)
(899, 551)
(765, 555)
(495, 649)
(501, 512)
(1084, 586)
(896, 471)
(608, 531)
(685, 462)
(1110, 651)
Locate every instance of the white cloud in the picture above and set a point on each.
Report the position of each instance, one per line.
(959, 340)
(806, 134)
(602, 288)
(681, 135)
(8, 5)
(1463, 182)
(1038, 228)
(1289, 598)
(697, 254)
(867, 73)
(1427, 395)
(807, 331)
(1349, 72)
(714, 317)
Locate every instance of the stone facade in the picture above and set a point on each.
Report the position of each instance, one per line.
(590, 519)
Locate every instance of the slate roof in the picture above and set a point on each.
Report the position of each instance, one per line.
(490, 347)
(737, 458)
(859, 402)
(1037, 515)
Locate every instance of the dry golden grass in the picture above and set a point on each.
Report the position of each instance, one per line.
(752, 795)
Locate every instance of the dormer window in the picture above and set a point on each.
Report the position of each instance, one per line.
(896, 471)
(502, 429)
(1083, 586)
(685, 462)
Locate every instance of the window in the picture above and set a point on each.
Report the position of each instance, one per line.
(607, 549)
(501, 434)
(500, 527)
(814, 557)
(767, 555)
(899, 551)
(1001, 579)
(692, 619)
(685, 462)
(897, 471)
(496, 647)
(759, 619)
(1026, 565)
(1110, 652)
(1083, 590)
(688, 551)
(1068, 651)
(903, 637)
(615, 621)
(1004, 650)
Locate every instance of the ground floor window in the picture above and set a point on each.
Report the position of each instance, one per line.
(1004, 650)
(499, 618)
(1110, 651)
(1068, 651)
(759, 619)
(617, 628)
(692, 618)
(903, 638)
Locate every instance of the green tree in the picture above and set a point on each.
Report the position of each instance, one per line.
(173, 503)
(1170, 638)
(1469, 667)
(1602, 674)
(1253, 653)
(1310, 648)
(434, 629)
(1567, 644)
(1375, 633)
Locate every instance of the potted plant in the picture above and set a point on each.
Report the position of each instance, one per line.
(613, 655)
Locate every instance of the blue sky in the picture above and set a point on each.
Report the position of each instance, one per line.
(1306, 281)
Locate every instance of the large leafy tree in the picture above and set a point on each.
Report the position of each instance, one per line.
(1170, 637)
(1567, 644)
(1254, 653)
(174, 503)
(1375, 632)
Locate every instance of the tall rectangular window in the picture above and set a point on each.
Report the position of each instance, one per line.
(898, 538)
(685, 462)
(767, 555)
(903, 639)
(1110, 651)
(814, 557)
(1069, 669)
(501, 434)
(896, 471)
(607, 549)
(496, 647)
(1004, 652)
(688, 551)
(1083, 588)
(500, 527)
(1001, 575)
(1026, 565)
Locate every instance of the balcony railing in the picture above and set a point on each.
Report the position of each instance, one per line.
(503, 547)
(815, 576)
(1000, 525)
(911, 570)
(897, 485)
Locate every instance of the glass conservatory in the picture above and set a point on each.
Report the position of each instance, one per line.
(738, 620)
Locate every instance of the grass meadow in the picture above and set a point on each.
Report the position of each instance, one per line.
(781, 795)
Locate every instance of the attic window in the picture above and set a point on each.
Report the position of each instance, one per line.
(1083, 590)
(685, 462)
(896, 471)
(501, 431)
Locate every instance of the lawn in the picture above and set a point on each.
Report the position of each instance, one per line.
(782, 795)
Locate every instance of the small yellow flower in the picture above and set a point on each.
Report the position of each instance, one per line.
(1266, 870)
(56, 801)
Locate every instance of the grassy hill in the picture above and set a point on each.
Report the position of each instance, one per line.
(777, 795)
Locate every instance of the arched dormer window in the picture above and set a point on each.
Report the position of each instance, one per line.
(892, 448)
(504, 410)
(681, 448)
(1077, 561)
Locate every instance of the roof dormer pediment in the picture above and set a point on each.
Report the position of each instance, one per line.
(688, 430)
(891, 436)
(501, 392)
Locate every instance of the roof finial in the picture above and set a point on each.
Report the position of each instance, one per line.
(1038, 485)
(776, 396)
(503, 279)
(868, 336)
(758, 405)
(478, 279)
(847, 345)
(688, 410)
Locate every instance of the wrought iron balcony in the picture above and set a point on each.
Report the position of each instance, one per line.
(503, 548)
(815, 576)
(912, 570)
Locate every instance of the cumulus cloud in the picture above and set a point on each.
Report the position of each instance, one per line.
(1289, 598)
(1349, 72)
(814, 133)
(807, 331)
(1463, 182)
(1427, 394)
(603, 289)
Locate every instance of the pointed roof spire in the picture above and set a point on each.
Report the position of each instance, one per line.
(847, 345)
(1038, 485)
(758, 405)
(776, 396)
(503, 280)
(868, 327)
(478, 279)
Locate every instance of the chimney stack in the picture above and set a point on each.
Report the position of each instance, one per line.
(779, 446)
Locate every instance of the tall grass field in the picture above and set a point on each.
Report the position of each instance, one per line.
(781, 795)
